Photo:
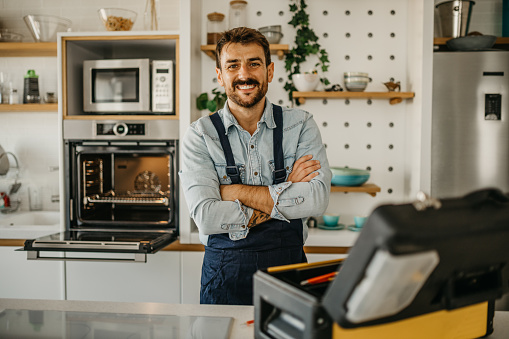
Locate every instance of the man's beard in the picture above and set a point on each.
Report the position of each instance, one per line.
(251, 101)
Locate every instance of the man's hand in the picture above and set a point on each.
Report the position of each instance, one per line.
(304, 169)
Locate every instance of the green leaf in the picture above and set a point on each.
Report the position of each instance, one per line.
(201, 101)
(211, 106)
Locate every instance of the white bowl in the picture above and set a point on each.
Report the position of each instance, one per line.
(356, 87)
(306, 82)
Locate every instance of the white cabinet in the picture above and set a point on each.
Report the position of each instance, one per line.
(191, 275)
(157, 280)
(26, 279)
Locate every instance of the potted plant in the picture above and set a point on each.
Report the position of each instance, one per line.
(217, 101)
(306, 44)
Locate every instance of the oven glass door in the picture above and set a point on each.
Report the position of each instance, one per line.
(137, 243)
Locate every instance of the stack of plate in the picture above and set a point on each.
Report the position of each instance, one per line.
(356, 81)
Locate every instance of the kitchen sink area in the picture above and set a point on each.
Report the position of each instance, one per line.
(28, 224)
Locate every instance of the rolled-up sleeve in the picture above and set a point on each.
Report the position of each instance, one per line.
(304, 199)
(200, 184)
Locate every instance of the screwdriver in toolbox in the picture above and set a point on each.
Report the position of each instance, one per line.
(319, 279)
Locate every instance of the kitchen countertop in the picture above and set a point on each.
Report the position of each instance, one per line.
(240, 314)
(319, 241)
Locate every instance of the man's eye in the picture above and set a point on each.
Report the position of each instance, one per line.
(232, 66)
(255, 64)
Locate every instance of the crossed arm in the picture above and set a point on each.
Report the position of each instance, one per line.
(258, 197)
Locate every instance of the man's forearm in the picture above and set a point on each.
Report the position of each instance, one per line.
(256, 197)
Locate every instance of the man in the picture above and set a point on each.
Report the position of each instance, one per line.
(246, 191)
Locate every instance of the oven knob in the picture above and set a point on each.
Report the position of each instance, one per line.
(120, 129)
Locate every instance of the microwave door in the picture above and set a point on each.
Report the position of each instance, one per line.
(137, 244)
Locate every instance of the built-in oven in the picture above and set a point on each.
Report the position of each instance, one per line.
(121, 190)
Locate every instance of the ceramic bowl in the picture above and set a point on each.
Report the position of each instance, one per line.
(117, 19)
(345, 176)
(330, 219)
(356, 81)
(471, 43)
(305, 82)
(359, 221)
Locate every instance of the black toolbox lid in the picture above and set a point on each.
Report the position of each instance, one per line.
(413, 259)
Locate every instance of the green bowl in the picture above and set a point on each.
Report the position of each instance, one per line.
(345, 176)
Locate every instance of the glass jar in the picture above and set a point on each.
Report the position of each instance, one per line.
(237, 15)
(13, 96)
(215, 27)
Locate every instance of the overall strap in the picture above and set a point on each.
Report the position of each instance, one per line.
(279, 174)
(232, 170)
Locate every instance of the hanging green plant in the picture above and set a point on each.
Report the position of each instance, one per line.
(217, 101)
(306, 44)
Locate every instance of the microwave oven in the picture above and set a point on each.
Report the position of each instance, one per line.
(128, 86)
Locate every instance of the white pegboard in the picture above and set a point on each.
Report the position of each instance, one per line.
(363, 36)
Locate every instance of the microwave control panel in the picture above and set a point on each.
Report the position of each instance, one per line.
(162, 86)
(120, 129)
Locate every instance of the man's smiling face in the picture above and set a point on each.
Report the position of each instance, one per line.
(243, 73)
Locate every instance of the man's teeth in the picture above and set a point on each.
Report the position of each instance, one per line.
(246, 86)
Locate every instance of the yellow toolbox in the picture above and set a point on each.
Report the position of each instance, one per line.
(428, 269)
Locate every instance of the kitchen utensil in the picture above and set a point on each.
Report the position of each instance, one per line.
(471, 43)
(8, 36)
(356, 81)
(273, 28)
(454, 18)
(44, 28)
(273, 37)
(345, 176)
(14, 188)
(330, 219)
(117, 19)
(331, 228)
(305, 82)
(393, 86)
(4, 162)
(359, 221)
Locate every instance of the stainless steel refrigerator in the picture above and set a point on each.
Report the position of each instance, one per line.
(470, 122)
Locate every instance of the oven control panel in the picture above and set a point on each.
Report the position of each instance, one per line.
(120, 129)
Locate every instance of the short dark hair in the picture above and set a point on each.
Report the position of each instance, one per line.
(244, 36)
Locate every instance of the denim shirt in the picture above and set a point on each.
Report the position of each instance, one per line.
(204, 170)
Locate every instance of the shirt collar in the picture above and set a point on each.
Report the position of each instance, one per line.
(267, 116)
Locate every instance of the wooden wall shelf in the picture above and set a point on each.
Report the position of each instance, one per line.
(443, 41)
(393, 97)
(29, 108)
(277, 49)
(371, 189)
(28, 49)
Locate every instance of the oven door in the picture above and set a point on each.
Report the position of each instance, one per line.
(114, 245)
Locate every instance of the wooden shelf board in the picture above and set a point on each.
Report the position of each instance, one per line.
(120, 116)
(371, 189)
(29, 108)
(28, 49)
(278, 49)
(394, 97)
(443, 41)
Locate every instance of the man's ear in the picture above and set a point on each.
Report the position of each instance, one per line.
(270, 72)
(219, 77)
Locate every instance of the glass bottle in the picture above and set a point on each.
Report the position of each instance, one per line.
(151, 16)
(237, 15)
(215, 27)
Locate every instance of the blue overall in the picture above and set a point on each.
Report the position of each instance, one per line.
(228, 266)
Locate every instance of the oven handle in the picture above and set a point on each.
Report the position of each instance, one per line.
(35, 255)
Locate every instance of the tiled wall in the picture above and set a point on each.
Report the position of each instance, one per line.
(33, 137)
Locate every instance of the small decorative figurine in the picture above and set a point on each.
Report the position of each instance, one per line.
(393, 86)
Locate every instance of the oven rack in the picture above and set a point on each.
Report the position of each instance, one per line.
(137, 198)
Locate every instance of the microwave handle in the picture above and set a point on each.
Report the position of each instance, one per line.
(35, 255)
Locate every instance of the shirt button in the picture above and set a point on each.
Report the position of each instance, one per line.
(224, 177)
(252, 146)
(255, 173)
(287, 167)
